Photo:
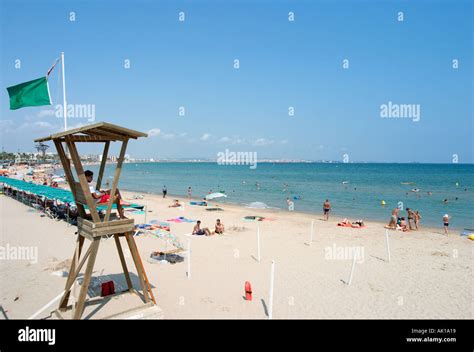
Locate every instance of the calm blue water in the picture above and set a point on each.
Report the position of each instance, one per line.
(369, 185)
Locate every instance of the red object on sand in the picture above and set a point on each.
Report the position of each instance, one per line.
(108, 288)
(248, 291)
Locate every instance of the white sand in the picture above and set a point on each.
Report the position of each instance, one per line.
(429, 276)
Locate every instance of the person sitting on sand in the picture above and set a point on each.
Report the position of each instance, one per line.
(446, 218)
(403, 225)
(198, 231)
(103, 196)
(326, 209)
(219, 229)
(175, 204)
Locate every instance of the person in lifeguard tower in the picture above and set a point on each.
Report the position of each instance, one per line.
(103, 196)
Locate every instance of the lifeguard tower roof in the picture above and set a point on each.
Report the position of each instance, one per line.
(97, 132)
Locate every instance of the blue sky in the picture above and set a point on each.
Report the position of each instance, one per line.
(282, 64)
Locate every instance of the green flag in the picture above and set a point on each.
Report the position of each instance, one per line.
(32, 93)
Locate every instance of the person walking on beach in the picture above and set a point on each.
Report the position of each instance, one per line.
(417, 219)
(394, 218)
(446, 218)
(190, 192)
(326, 209)
(165, 190)
(103, 196)
(411, 217)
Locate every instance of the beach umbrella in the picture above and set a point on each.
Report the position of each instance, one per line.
(215, 195)
(257, 205)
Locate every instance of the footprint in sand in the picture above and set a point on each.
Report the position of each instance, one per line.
(207, 300)
(440, 254)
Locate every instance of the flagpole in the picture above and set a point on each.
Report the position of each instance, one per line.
(64, 92)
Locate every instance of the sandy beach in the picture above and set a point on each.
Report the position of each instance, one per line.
(429, 274)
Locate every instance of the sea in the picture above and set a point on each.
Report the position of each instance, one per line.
(356, 191)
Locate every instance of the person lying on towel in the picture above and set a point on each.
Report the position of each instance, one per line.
(175, 204)
(103, 196)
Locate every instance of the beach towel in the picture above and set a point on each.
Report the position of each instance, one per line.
(257, 218)
(202, 204)
(180, 219)
(171, 258)
(195, 235)
(214, 209)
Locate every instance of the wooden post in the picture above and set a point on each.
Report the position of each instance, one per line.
(258, 243)
(86, 279)
(188, 259)
(118, 170)
(352, 268)
(102, 165)
(83, 181)
(71, 278)
(388, 245)
(272, 284)
(138, 265)
(123, 262)
(69, 176)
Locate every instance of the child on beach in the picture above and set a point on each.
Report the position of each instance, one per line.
(165, 190)
(291, 205)
(190, 192)
(446, 218)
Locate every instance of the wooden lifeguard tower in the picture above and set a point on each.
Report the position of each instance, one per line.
(91, 224)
